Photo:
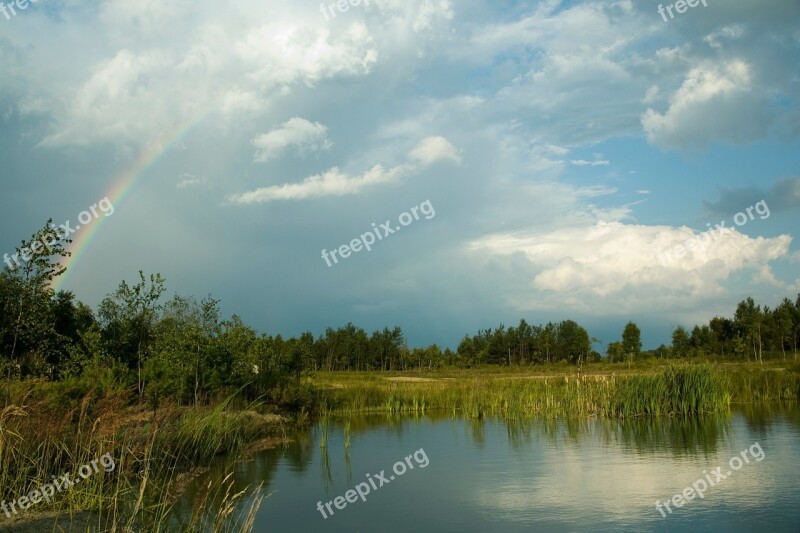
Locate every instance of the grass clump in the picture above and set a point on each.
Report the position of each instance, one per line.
(687, 390)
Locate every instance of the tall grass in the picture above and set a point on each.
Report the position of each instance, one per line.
(689, 390)
(765, 384)
(677, 390)
(153, 452)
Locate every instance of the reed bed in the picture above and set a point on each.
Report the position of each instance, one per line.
(155, 453)
(766, 384)
(675, 390)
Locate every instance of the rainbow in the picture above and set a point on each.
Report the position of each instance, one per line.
(121, 188)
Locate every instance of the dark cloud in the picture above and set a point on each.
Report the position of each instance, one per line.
(783, 196)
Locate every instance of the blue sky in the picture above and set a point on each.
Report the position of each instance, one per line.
(563, 146)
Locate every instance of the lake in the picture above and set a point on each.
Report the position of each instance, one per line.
(565, 475)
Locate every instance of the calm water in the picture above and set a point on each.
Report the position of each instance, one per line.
(491, 475)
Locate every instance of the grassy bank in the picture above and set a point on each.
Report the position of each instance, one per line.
(562, 391)
(50, 429)
(53, 429)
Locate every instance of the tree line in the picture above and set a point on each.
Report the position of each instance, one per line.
(183, 349)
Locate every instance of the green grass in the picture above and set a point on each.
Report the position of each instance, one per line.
(647, 389)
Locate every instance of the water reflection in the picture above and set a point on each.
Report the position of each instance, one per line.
(760, 418)
(678, 436)
(519, 471)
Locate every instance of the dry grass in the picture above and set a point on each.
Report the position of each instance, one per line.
(47, 432)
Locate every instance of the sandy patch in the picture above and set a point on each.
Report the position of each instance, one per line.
(410, 380)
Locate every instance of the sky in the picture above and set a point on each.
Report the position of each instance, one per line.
(545, 160)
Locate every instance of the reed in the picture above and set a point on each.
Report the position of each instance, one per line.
(759, 384)
(688, 390)
(153, 452)
(675, 390)
(323, 428)
(217, 508)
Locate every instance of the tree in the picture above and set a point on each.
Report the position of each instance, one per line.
(572, 341)
(632, 341)
(545, 339)
(69, 321)
(466, 351)
(680, 342)
(783, 318)
(523, 342)
(130, 315)
(702, 340)
(796, 326)
(30, 292)
(749, 321)
(386, 345)
(498, 349)
(237, 358)
(615, 352)
(184, 344)
(434, 356)
(724, 332)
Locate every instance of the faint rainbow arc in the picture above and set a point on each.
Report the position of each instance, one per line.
(121, 188)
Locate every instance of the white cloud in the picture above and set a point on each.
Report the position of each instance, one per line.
(297, 132)
(716, 39)
(189, 180)
(337, 183)
(651, 95)
(331, 183)
(432, 149)
(715, 102)
(584, 163)
(617, 264)
(137, 86)
(594, 191)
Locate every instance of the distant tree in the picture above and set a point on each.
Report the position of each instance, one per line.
(661, 352)
(546, 339)
(523, 342)
(387, 344)
(796, 326)
(702, 340)
(616, 352)
(749, 320)
(433, 355)
(632, 341)
(498, 350)
(449, 357)
(680, 342)
(295, 357)
(783, 319)
(724, 332)
(466, 351)
(572, 342)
